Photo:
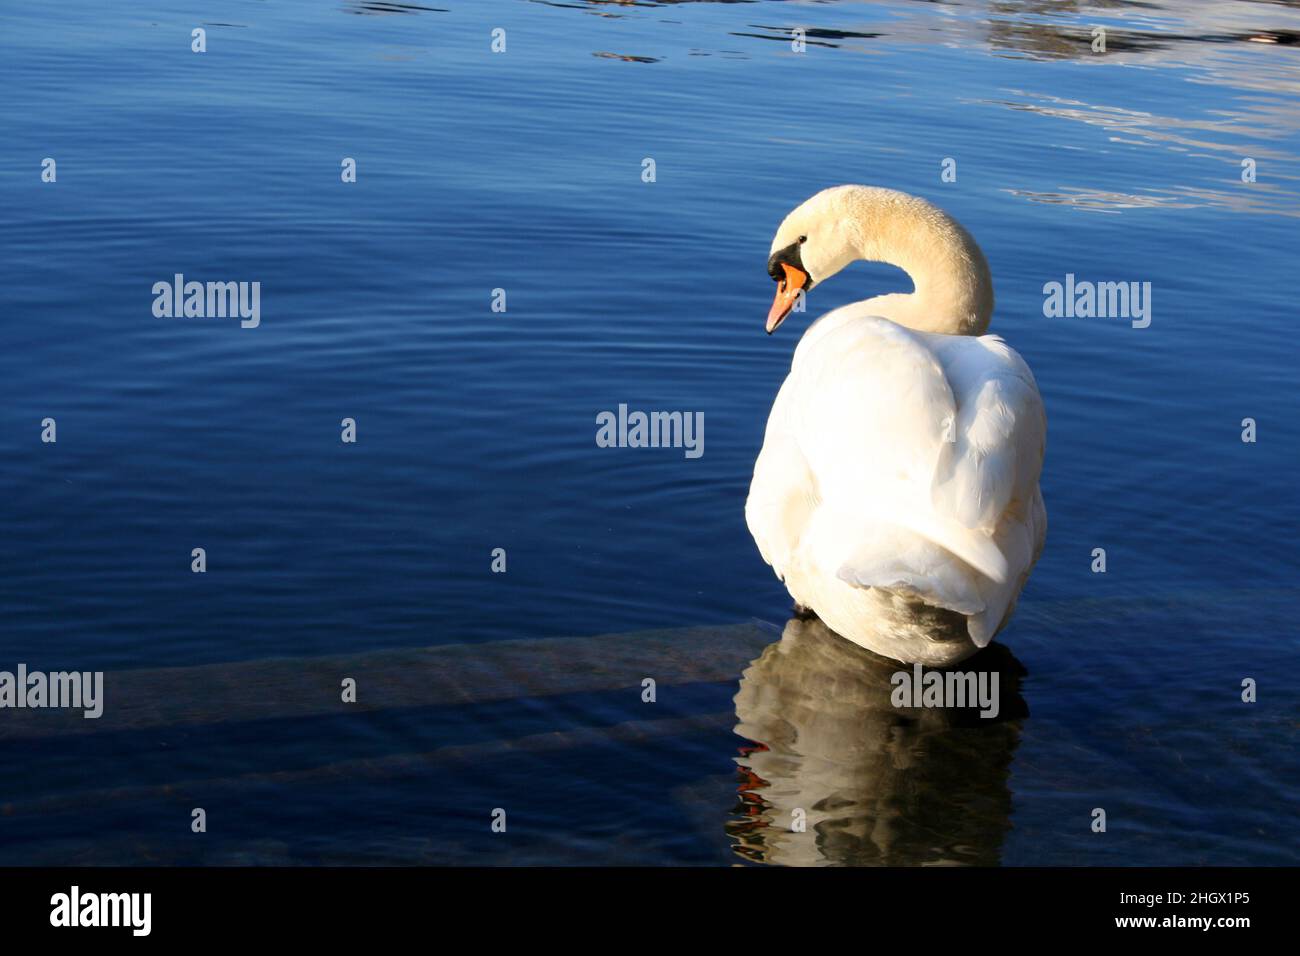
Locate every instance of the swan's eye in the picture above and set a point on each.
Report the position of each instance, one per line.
(803, 239)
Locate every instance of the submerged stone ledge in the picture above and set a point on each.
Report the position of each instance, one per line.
(440, 675)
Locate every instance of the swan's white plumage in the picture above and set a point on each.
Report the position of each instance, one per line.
(901, 467)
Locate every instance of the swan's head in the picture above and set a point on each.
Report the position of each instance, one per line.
(815, 241)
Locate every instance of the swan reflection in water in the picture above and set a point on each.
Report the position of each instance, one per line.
(877, 784)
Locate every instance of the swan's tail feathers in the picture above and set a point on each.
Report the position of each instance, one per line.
(1001, 602)
(973, 546)
(977, 626)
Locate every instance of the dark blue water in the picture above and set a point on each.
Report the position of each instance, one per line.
(522, 171)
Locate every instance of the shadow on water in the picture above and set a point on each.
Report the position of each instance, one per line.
(879, 784)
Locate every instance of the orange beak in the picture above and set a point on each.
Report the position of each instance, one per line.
(787, 293)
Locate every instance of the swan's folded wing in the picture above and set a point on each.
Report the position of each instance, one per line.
(783, 493)
(992, 466)
(875, 417)
(872, 408)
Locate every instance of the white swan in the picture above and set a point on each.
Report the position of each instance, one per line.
(896, 493)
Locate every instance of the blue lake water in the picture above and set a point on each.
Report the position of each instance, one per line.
(522, 171)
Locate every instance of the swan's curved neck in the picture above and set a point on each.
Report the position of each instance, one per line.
(953, 291)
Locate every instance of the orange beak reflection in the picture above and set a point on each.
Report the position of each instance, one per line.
(787, 293)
